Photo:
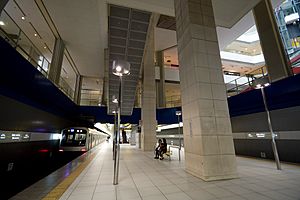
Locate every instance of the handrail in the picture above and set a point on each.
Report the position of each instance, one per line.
(16, 44)
(244, 82)
(39, 61)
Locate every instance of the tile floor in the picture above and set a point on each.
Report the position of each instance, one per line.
(142, 177)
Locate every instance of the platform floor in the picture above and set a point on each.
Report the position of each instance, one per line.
(142, 177)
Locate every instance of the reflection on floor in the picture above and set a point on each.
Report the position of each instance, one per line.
(142, 177)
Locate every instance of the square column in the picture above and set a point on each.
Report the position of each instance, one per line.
(148, 115)
(208, 142)
(57, 60)
(270, 40)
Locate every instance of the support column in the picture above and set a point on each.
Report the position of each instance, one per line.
(161, 85)
(2, 5)
(148, 133)
(208, 142)
(78, 85)
(57, 59)
(270, 40)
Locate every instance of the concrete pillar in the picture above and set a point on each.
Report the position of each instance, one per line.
(2, 5)
(208, 142)
(270, 40)
(105, 93)
(57, 59)
(148, 115)
(161, 85)
(78, 86)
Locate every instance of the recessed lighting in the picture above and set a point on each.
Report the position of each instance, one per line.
(35, 34)
(45, 47)
(23, 18)
(2, 23)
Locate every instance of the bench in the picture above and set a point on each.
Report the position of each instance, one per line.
(168, 154)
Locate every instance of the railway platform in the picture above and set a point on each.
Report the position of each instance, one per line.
(143, 178)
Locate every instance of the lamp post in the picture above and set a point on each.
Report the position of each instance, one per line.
(261, 87)
(119, 68)
(115, 134)
(178, 113)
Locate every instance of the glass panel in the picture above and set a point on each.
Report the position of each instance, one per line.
(10, 30)
(91, 92)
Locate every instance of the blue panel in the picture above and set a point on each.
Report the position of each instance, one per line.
(167, 115)
(280, 94)
(21, 81)
(99, 114)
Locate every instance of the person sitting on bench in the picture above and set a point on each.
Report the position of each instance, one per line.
(157, 149)
(163, 148)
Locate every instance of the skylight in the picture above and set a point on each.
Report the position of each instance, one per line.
(250, 36)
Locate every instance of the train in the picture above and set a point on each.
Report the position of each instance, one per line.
(81, 139)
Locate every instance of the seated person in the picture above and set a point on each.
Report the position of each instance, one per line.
(163, 148)
(157, 149)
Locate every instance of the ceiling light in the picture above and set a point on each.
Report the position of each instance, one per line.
(2, 23)
(45, 47)
(23, 18)
(35, 34)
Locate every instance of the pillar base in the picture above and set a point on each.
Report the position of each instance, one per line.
(213, 178)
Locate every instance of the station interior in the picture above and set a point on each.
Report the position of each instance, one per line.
(150, 100)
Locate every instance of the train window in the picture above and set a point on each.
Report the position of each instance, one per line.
(80, 137)
(70, 137)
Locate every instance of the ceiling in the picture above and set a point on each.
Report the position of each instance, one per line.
(127, 37)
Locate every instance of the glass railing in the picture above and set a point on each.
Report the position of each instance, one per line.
(90, 97)
(173, 101)
(10, 31)
(65, 88)
(245, 82)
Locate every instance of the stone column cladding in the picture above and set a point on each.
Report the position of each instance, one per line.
(161, 85)
(270, 40)
(148, 134)
(56, 62)
(208, 142)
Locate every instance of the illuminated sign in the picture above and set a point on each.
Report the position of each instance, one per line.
(15, 136)
(260, 135)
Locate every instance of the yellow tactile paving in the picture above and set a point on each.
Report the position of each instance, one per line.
(58, 191)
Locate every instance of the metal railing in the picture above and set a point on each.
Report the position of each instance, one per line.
(173, 101)
(90, 97)
(66, 88)
(246, 82)
(18, 39)
(13, 34)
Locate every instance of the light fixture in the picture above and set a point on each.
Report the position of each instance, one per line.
(120, 67)
(178, 113)
(2, 23)
(45, 47)
(114, 99)
(35, 34)
(259, 86)
(23, 18)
